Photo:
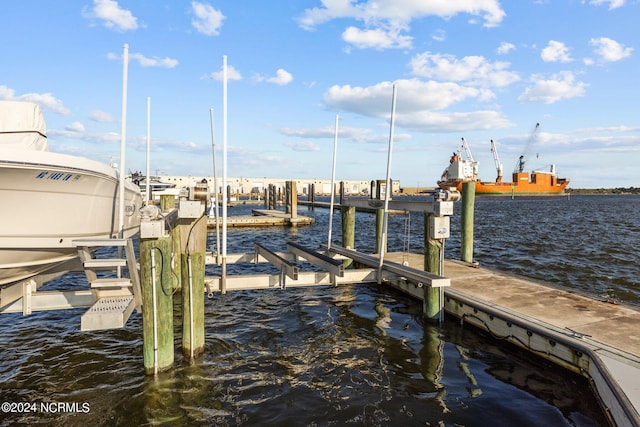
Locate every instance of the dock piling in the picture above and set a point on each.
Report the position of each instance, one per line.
(167, 202)
(158, 283)
(291, 196)
(348, 215)
(193, 237)
(432, 304)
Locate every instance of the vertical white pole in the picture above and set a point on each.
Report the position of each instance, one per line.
(215, 188)
(123, 136)
(333, 179)
(148, 148)
(385, 218)
(155, 312)
(223, 280)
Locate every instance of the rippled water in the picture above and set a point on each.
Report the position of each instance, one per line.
(352, 355)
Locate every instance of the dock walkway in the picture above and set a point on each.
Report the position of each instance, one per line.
(593, 337)
(262, 218)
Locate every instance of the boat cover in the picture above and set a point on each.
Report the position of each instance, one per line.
(22, 126)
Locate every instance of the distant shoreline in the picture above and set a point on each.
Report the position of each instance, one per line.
(619, 190)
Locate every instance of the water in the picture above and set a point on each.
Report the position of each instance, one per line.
(353, 355)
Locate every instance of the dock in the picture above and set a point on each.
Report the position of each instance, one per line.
(262, 218)
(594, 338)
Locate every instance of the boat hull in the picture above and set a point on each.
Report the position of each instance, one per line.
(51, 199)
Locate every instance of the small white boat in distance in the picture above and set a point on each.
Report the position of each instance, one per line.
(50, 199)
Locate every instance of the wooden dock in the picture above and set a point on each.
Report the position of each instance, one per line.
(262, 218)
(594, 338)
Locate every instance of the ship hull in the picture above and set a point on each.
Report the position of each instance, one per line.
(541, 184)
(509, 188)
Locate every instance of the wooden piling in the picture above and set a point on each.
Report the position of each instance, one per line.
(312, 196)
(432, 303)
(193, 233)
(466, 221)
(291, 193)
(348, 215)
(167, 202)
(157, 343)
(272, 197)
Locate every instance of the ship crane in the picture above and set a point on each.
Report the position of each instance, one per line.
(522, 159)
(467, 150)
(496, 159)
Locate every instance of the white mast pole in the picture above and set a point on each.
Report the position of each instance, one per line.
(215, 187)
(148, 149)
(385, 217)
(223, 280)
(123, 136)
(333, 179)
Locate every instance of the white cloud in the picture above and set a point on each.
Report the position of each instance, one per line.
(555, 52)
(613, 4)
(112, 15)
(560, 86)
(101, 116)
(46, 101)
(145, 61)
(412, 96)
(207, 19)
(357, 135)
(154, 61)
(384, 20)
(232, 74)
(610, 50)
(376, 38)
(435, 121)
(400, 11)
(439, 35)
(302, 146)
(471, 69)
(505, 48)
(282, 78)
(75, 127)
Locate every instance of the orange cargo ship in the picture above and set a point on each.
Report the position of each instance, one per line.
(464, 169)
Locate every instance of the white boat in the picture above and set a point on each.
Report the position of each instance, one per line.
(50, 199)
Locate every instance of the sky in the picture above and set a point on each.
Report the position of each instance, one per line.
(472, 69)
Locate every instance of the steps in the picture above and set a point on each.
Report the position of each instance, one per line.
(116, 297)
(108, 313)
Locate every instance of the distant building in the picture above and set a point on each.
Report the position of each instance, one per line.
(247, 186)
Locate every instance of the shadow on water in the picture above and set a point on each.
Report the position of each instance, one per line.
(351, 355)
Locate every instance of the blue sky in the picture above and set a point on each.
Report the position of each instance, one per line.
(478, 69)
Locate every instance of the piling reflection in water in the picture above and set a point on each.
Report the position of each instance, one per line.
(348, 355)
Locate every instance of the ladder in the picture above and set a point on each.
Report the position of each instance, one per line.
(115, 297)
